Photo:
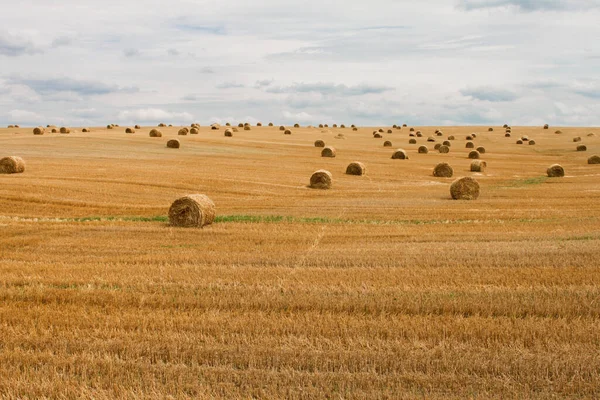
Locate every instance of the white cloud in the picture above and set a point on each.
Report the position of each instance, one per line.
(154, 115)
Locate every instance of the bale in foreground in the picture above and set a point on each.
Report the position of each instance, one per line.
(555, 171)
(194, 210)
(465, 189)
(321, 179)
(12, 165)
(355, 168)
(443, 170)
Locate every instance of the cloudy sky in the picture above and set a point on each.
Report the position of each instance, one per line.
(434, 62)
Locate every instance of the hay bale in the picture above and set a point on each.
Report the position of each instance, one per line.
(380, 130)
(54, 130)
(423, 150)
(234, 129)
(247, 128)
(444, 149)
(582, 147)
(431, 139)
(355, 168)
(10, 126)
(110, 126)
(65, 130)
(470, 137)
(443, 170)
(258, 124)
(411, 135)
(38, 130)
(389, 131)
(474, 135)
(446, 143)
(377, 136)
(412, 141)
(282, 128)
(532, 142)
(339, 136)
(439, 134)
(474, 154)
(162, 125)
(12, 165)
(334, 125)
(464, 189)
(183, 131)
(558, 132)
(287, 132)
(328, 152)
(577, 139)
(490, 129)
(478, 165)
(137, 127)
(451, 137)
(240, 125)
(470, 145)
(437, 146)
(519, 141)
(194, 131)
(400, 154)
(193, 210)
(411, 130)
(387, 143)
(594, 160)
(355, 129)
(507, 134)
(86, 130)
(215, 127)
(173, 144)
(270, 124)
(419, 134)
(155, 133)
(505, 126)
(591, 134)
(320, 125)
(321, 179)
(546, 126)
(555, 171)
(298, 126)
(395, 126)
(228, 132)
(319, 143)
(481, 150)
(342, 126)
(326, 126)
(129, 130)
(404, 125)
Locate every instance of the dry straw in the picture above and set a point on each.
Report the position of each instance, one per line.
(155, 133)
(474, 154)
(412, 141)
(194, 131)
(298, 126)
(282, 128)
(464, 189)
(321, 179)
(437, 146)
(419, 134)
(577, 139)
(451, 137)
(228, 132)
(478, 165)
(387, 143)
(129, 130)
(137, 127)
(328, 152)
(470, 145)
(481, 150)
(287, 132)
(444, 149)
(377, 136)
(355, 168)
(258, 124)
(65, 130)
(183, 131)
(85, 130)
(490, 129)
(173, 144)
(519, 141)
(546, 126)
(431, 139)
(447, 143)
(38, 130)
(400, 154)
(443, 170)
(319, 143)
(532, 142)
(582, 147)
(12, 165)
(247, 127)
(423, 150)
(270, 124)
(555, 171)
(54, 130)
(194, 210)
(594, 160)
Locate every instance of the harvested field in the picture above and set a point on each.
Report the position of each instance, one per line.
(380, 287)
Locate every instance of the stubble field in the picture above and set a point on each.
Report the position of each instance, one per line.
(381, 287)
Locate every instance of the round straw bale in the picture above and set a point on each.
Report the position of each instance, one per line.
(387, 143)
(240, 125)
(258, 124)
(10, 126)
(412, 141)
(193, 210)
(65, 130)
(321, 179)
(394, 126)
(591, 134)
(558, 132)
(162, 125)
(474, 135)
(419, 134)
(404, 125)
(334, 125)
(173, 144)
(355, 129)
(443, 170)
(129, 130)
(582, 147)
(464, 189)
(505, 126)
(380, 130)
(474, 154)
(355, 168)
(215, 127)
(519, 141)
(490, 129)
(194, 131)
(377, 136)
(183, 131)
(110, 126)
(437, 146)
(228, 132)
(12, 165)
(54, 130)
(320, 125)
(326, 126)
(411, 135)
(328, 152)
(282, 128)
(389, 131)
(38, 130)
(451, 137)
(400, 154)
(444, 149)
(298, 126)
(577, 139)
(431, 139)
(247, 127)
(339, 136)
(446, 143)
(525, 138)
(594, 160)
(155, 133)
(481, 150)
(470, 137)
(532, 142)
(507, 134)
(546, 126)
(270, 124)
(342, 126)
(439, 134)
(411, 130)
(86, 130)
(470, 145)
(287, 132)
(423, 150)
(319, 143)
(555, 171)
(137, 127)
(478, 165)
(234, 129)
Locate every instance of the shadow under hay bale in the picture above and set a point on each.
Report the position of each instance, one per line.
(443, 170)
(319, 143)
(555, 171)
(173, 144)
(328, 152)
(194, 210)
(355, 168)
(465, 189)
(423, 150)
(12, 165)
(321, 179)
(155, 133)
(400, 154)
(478, 166)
